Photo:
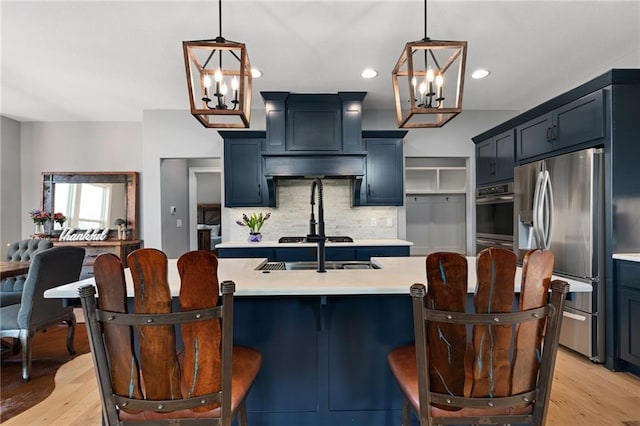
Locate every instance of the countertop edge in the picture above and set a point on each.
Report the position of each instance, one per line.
(631, 257)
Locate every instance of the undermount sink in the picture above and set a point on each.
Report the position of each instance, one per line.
(312, 265)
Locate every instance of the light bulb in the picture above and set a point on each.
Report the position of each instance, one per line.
(413, 82)
(422, 88)
(430, 75)
(224, 89)
(235, 83)
(439, 80)
(217, 76)
(206, 81)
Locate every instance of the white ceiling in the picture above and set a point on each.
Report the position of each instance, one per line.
(110, 60)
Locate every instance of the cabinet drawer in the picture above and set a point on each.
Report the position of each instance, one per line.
(86, 272)
(91, 253)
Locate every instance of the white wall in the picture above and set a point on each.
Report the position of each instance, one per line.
(10, 196)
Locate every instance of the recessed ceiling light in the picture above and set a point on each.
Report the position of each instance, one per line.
(369, 73)
(480, 73)
(256, 73)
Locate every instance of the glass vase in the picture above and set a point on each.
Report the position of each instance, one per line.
(38, 229)
(255, 237)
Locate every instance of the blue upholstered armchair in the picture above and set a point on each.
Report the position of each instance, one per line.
(19, 251)
(49, 268)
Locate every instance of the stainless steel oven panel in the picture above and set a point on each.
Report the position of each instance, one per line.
(494, 199)
(577, 331)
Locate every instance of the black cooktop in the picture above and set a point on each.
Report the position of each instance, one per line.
(330, 239)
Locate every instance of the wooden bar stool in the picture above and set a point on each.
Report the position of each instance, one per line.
(145, 379)
(491, 366)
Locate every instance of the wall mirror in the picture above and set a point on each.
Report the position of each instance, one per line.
(92, 200)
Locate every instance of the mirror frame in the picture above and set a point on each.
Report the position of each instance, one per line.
(49, 179)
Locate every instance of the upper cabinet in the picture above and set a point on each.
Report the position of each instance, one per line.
(302, 122)
(244, 181)
(383, 181)
(575, 123)
(314, 123)
(495, 159)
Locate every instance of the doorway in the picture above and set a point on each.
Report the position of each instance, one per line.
(205, 187)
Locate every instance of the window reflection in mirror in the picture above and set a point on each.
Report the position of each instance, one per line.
(90, 205)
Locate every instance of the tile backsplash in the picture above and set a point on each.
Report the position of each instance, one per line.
(291, 217)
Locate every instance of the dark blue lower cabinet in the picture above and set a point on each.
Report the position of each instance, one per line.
(324, 358)
(306, 252)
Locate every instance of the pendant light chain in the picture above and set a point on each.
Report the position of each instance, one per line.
(220, 17)
(425, 20)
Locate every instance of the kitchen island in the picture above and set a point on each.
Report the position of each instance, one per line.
(324, 337)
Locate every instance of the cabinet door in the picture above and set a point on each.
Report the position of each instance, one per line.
(383, 185)
(579, 121)
(314, 126)
(629, 325)
(628, 283)
(485, 162)
(495, 159)
(504, 162)
(244, 182)
(534, 137)
(352, 126)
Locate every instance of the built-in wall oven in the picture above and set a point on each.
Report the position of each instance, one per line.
(494, 216)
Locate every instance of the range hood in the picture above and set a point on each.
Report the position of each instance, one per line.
(308, 165)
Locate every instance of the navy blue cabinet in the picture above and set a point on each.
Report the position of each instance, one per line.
(628, 284)
(303, 122)
(244, 181)
(313, 123)
(324, 358)
(351, 121)
(383, 184)
(578, 122)
(275, 111)
(495, 159)
(306, 252)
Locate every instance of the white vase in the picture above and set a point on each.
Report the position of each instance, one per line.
(38, 229)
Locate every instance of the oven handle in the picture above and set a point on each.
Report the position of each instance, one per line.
(494, 243)
(574, 316)
(495, 199)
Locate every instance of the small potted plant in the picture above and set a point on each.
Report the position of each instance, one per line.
(39, 218)
(254, 223)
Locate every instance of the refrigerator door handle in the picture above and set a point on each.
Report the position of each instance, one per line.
(545, 211)
(536, 209)
(549, 203)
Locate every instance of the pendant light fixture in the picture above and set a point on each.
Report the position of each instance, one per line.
(219, 80)
(428, 80)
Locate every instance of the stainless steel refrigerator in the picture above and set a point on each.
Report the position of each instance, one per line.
(558, 204)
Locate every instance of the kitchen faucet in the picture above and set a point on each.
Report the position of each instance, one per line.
(318, 237)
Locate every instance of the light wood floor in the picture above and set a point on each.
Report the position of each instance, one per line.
(583, 393)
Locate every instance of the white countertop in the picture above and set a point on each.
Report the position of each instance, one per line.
(355, 243)
(395, 277)
(631, 257)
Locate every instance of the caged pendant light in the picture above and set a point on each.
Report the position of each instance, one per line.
(428, 80)
(219, 80)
